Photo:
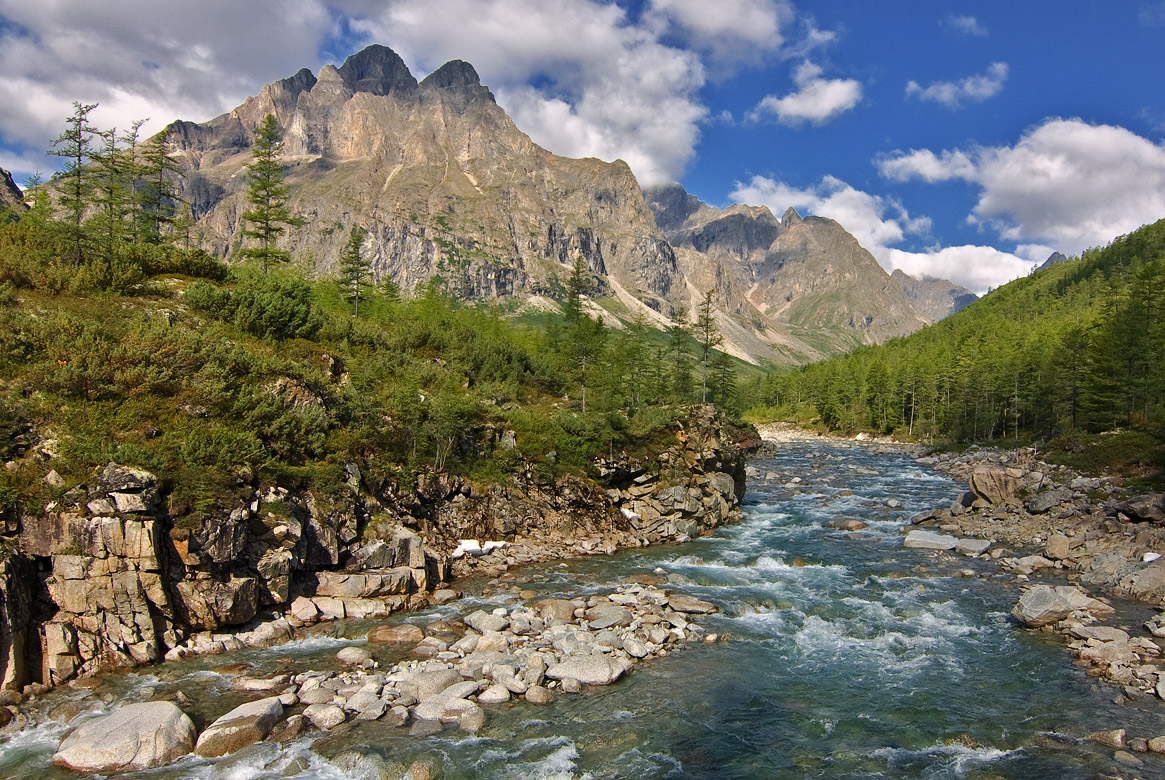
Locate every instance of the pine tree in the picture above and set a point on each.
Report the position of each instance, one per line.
(267, 194)
(74, 146)
(354, 272)
(708, 336)
(132, 170)
(110, 193)
(681, 360)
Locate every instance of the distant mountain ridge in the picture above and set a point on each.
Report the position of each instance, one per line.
(447, 186)
(935, 299)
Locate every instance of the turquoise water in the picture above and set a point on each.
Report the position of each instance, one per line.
(848, 658)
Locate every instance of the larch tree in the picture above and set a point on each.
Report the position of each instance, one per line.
(268, 216)
(75, 146)
(708, 336)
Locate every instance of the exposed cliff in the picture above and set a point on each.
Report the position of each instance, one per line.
(10, 195)
(440, 177)
(106, 578)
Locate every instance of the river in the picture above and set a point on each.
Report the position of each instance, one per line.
(848, 657)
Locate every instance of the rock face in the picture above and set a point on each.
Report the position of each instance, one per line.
(783, 279)
(440, 176)
(11, 198)
(134, 737)
(935, 299)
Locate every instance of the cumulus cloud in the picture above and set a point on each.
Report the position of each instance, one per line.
(582, 77)
(730, 32)
(953, 94)
(142, 58)
(878, 223)
(817, 100)
(1065, 183)
(967, 25)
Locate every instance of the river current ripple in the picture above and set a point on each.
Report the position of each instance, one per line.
(849, 657)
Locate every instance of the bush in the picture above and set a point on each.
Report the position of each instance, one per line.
(275, 308)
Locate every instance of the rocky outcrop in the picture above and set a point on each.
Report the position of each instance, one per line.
(11, 198)
(107, 578)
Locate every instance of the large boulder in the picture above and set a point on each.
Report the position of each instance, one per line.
(1146, 509)
(1147, 584)
(589, 670)
(1044, 605)
(929, 540)
(134, 737)
(993, 484)
(244, 725)
(1048, 499)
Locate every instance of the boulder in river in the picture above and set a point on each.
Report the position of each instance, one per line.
(133, 737)
(929, 540)
(244, 725)
(589, 670)
(1044, 605)
(1146, 509)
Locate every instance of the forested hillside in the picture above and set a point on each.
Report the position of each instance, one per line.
(212, 377)
(1078, 347)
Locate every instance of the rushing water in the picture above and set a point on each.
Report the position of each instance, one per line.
(849, 658)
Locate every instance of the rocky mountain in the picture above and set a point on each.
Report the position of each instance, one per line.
(446, 185)
(804, 285)
(439, 176)
(1053, 259)
(934, 298)
(10, 194)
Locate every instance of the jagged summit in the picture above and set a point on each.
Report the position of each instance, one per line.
(934, 298)
(1053, 259)
(790, 217)
(377, 70)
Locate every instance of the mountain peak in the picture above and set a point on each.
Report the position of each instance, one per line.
(1053, 259)
(790, 218)
(377, 69)
(10, 195)
(458, 77)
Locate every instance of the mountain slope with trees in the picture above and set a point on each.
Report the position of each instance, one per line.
(1073, 350)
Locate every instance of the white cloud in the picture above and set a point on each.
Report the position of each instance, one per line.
(926, 165)
(978, 268)
(973, 88)
(731, 32)
(1065, 183)
(584, 79)
(817, 100)
(968, 25)
(142, 58)
(879, 223)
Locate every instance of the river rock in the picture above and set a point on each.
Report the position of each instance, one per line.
(134, 737)
(536, 694)
(1044, 605)
(1047, 499)
(495, 694)
(972, 547)
(993, 484)
(928, 540)
(405, 633)
(1058, 547)
(354, 656)
(426, 684)
(1147, 584)
(555, 609)
(486, 621)
(1114, 739)
(589, 670)
(244, 725)
(690, 604)
(608, 615)
(325, 716)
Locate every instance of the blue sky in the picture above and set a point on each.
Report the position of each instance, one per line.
(959, 140)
